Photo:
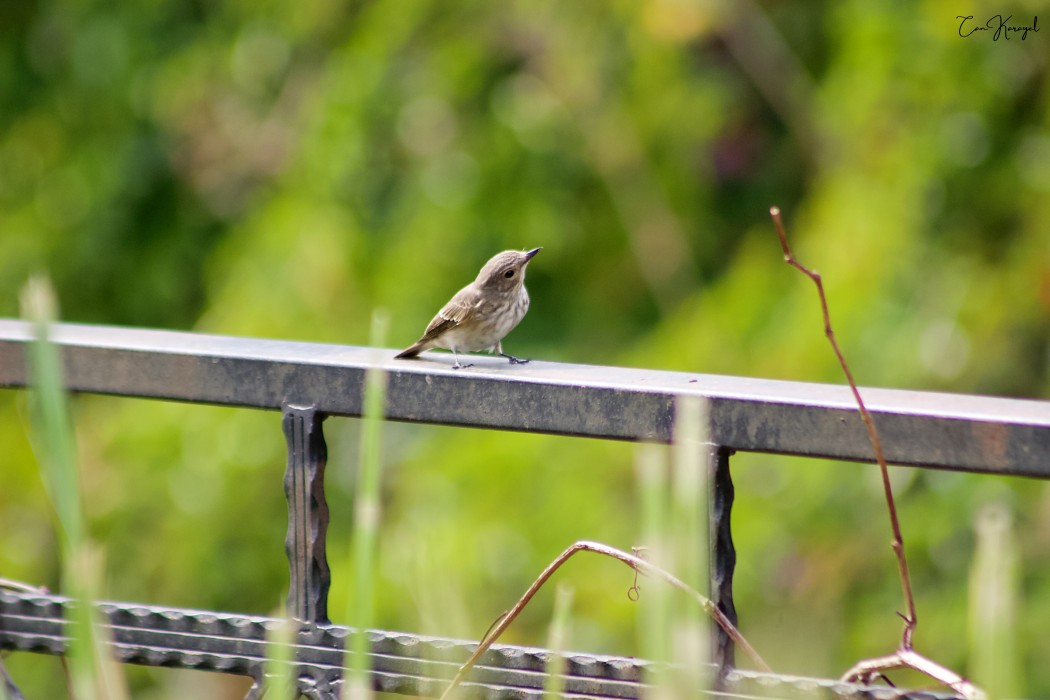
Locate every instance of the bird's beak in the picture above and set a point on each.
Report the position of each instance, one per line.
(532, 253)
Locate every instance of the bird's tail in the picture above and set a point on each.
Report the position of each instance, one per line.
(411, 351)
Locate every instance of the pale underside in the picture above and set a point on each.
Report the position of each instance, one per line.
(471, 323)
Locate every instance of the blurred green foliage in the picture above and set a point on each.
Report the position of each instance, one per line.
(281, 169)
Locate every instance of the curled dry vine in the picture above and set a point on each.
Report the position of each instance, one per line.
(639, 565)
(868, 670)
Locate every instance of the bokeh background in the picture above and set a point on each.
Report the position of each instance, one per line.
(280, 170)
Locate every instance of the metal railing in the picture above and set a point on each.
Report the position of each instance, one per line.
(308, 382)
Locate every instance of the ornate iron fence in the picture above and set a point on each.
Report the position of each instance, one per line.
(308, 382)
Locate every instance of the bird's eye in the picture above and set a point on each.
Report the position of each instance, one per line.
(508, 274)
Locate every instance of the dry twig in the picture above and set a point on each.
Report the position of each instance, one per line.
(13, 585)
(640, 566)
(905, 656)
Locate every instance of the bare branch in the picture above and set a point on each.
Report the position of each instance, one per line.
(910, 618)
(905, 657)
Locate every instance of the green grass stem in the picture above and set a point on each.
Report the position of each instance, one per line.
(994, 584)
(558, 642)
(94, 673)
(366, 521)
(280, 659)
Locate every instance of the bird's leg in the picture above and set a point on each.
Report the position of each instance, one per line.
(455, 357)
(513, 360)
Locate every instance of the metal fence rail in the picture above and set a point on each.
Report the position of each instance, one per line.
(949, 431)
(308, 381)
(401, 663)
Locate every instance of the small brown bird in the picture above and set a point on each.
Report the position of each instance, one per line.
(481, 314)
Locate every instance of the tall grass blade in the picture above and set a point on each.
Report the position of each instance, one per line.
(689, 542)
(94, 673)
(280, 659)
(557, 643)
(994, 585)
(654, 598)
(361, 615)
(675, 631)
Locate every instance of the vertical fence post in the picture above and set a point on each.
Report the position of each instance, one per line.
(723, 554)
(307, 514)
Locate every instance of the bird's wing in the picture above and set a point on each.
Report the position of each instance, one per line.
(455, 312)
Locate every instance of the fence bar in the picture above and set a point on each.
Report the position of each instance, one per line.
(401, 663)
(969, 433)
(307, 514)
(722, 553)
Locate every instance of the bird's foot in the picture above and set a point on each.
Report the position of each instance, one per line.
(514, 360)
(459, 366)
